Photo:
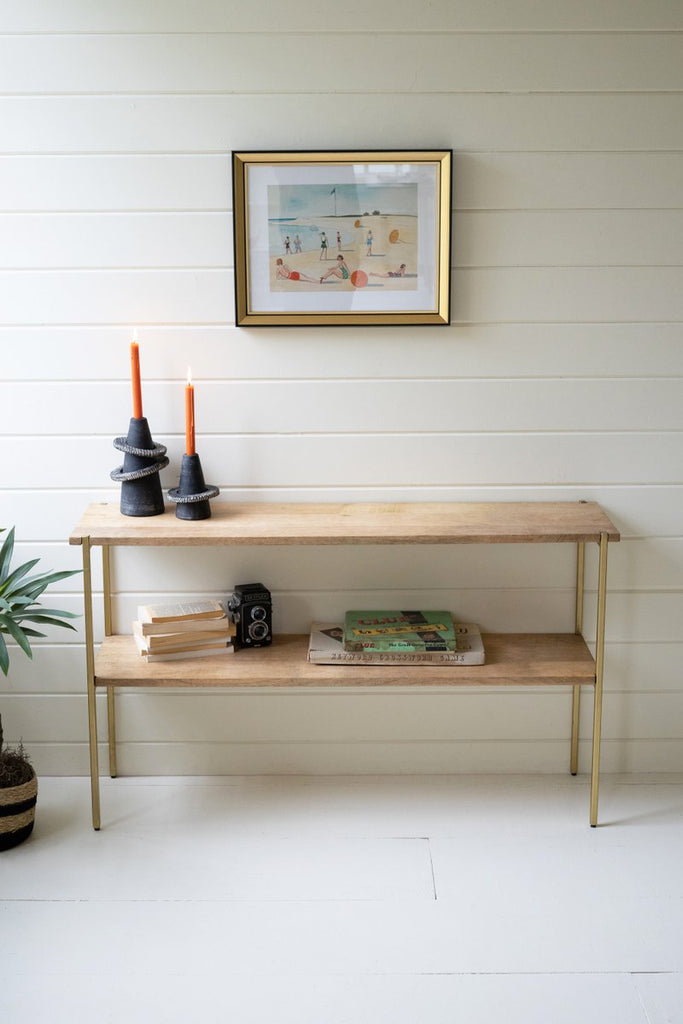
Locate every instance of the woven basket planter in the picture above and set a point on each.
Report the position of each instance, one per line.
(17, 813)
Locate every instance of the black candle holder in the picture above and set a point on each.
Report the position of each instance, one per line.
(139, 476)
(192, 494)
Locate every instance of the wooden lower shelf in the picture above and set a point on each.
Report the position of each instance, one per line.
(512, 659)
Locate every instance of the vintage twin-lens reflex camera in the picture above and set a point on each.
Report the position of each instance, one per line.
(252, 610)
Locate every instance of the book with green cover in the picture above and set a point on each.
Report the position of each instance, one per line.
(325, 648)
(399, 631)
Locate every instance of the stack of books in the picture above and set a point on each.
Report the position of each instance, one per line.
(396, 638)
(190, 629)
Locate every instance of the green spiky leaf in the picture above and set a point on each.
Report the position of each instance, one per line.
(6, 554)
(47, 618)
(32, 632)
(18, 574)
(35, 586)
(17, 633)
(4, 656)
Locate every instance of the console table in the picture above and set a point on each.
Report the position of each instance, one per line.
(512, 659)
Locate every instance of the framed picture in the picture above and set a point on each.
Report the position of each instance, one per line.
(342, 237)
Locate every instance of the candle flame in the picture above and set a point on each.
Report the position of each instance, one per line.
(189, 376)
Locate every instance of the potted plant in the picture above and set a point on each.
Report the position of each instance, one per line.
(18, 606)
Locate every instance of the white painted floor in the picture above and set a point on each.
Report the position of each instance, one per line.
(290, 900)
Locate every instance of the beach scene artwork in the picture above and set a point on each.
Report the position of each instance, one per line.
(342, 237)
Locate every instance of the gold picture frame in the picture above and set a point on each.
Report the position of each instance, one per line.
(341, 238)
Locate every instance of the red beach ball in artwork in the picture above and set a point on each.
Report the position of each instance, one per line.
(359, 279)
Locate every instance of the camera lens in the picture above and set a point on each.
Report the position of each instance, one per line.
(257, 612)
(258, 630)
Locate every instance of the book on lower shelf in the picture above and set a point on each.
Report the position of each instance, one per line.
(224, 629)
(191, 610)
(410, 631)
(326, 647)
(177, 652)
(221, 624)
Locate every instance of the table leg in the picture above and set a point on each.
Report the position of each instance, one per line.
(599, 673)
(578, 628)
(90, 668)
(111, 706)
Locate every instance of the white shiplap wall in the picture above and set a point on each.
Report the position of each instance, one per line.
(560, 376)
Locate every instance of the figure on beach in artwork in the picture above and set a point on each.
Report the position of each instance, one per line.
(323, 245)
(339, 270)
(401, 272)
(285, 273)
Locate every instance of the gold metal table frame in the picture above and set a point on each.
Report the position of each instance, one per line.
(118, 664)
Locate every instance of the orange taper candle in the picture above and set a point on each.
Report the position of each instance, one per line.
(135, 376)
(189, 416)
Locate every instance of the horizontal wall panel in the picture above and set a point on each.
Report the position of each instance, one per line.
(482, 181)
(121, 295)
(652, 564)
(568, 238)
(410, 717)
(636, 510)
(330, 718)
(647, 617)
(643, 616)
(495, 610)
(465, 351)
(215, 63)
(356, 407)
(118, 296)
(636, 122)
(525, 294)
(116, 182)
(300, 16)
(643, 666)
(568, 294)
(136, 570)
(370, 460)
(100, 240)
(567, 180)
(461, 715)
(361, 758)
(54, 668)
(481, 238)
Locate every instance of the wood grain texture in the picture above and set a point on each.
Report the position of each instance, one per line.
(513, 659)
(361, 523)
